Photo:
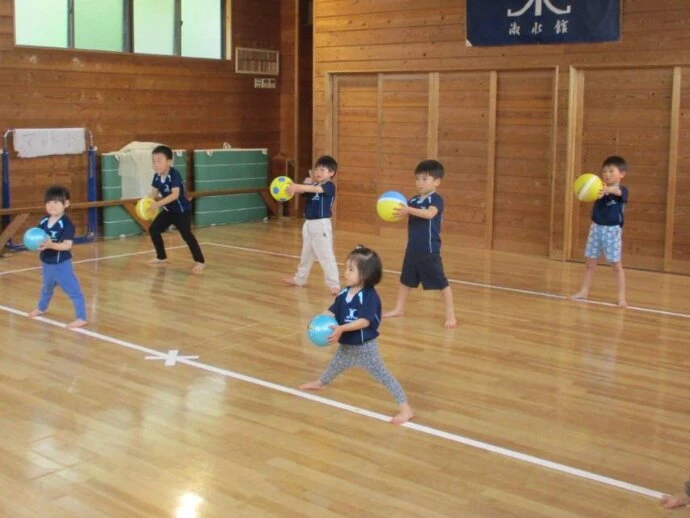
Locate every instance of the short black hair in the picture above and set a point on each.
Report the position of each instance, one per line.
(163, 150)
(56, 193)
(328, 162)
(433, 168)
(616, 161)
(368, 264)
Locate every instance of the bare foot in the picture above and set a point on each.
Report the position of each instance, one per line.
(580, 295)
(450, 323)
(334, 290)
(292, 282)
(671, 502)
(35, 313)
(77, 323)
(157, 262)
(198, 267)
(395, 313)
(312, 385)
(406, 413)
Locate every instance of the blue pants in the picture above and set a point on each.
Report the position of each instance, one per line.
(62, 274)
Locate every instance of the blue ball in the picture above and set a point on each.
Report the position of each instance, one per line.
(34, 237)
(320, 329)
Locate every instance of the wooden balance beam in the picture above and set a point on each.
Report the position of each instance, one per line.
(21, 214)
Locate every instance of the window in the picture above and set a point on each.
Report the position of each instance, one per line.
(199, 39)
(154, 27)
(191, 28)
(89, 30)
(47, 29)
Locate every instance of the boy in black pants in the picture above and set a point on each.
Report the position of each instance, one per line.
(167, 188)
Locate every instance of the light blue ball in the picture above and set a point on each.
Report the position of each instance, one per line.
(320, 329)
(34, 237)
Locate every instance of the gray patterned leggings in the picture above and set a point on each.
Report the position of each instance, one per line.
(367, 357)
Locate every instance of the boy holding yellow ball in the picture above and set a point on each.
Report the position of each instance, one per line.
(606, 230)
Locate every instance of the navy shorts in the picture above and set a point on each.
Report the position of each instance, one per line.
(424, 268)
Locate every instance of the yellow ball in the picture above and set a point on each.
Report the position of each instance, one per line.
(387, 203)
(587, 187)
(143, 209)
(278, 188)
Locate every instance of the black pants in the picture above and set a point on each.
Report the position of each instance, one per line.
(182, 222)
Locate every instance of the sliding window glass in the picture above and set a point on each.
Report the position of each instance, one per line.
(98, 24)
(154, 27)
(201, 28)
(190, 28)
(42, 23)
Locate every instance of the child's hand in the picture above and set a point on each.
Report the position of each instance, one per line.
(291, 189)
(602, 192)
(45, 245)
(400, 211)
(335, 337)
(308, 181)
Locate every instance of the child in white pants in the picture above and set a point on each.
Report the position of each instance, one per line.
(317, 231)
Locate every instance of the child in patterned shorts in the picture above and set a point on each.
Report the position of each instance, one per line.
(605, 233)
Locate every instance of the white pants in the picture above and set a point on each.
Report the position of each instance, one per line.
(317, 244)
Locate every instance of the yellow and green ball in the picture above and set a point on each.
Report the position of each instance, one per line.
(278, 188)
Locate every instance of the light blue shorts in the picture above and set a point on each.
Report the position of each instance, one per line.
(606, 240)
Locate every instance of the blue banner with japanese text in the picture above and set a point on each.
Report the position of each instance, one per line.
(513, 22)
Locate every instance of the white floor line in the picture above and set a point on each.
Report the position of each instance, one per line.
(94, 259)
(361, 411)
(484, 285)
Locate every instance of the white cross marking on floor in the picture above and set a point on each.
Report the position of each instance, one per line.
(171, 358)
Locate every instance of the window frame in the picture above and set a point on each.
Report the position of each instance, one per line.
(128, 32)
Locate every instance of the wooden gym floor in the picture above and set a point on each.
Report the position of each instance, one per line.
(535, 406)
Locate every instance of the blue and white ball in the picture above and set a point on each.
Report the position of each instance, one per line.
(320, 329)
(387, 203)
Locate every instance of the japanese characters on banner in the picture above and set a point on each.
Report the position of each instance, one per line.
(512, 22)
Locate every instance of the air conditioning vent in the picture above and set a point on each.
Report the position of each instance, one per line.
(256, 61)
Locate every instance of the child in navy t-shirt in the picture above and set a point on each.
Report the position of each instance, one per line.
(357, 309)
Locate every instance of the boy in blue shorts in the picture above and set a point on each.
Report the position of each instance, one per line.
(422, 262)
(605, 232)
(56, 256)
(167, 188)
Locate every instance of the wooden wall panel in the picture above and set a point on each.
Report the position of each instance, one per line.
(184, 102)
(413, 36)
(631, 120)
(681, 212)
(463, 150)
(357, 135)
(522, 202)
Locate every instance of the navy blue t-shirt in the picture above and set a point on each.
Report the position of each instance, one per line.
(424, 235)
(365, 304)
(62, 230)
(608, 210)
(319, 204)
(165, 186)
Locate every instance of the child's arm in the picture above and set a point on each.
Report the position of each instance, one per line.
(611, 189)
(356, 325)
(174, 194)
(304, 187)
(60, 247)
(429, 213)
